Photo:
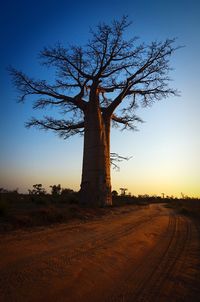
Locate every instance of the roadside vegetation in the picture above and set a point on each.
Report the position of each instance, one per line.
(187, 206)
(39, 208)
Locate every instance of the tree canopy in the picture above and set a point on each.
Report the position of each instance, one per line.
(123, 72)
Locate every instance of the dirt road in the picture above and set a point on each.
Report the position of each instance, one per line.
(146, 254)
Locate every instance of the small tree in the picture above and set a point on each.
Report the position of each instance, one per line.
(56, 190)
(114, 193)
(37, 190)
(96, 85)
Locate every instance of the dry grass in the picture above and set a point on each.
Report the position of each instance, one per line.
(26, 211)
(188, 207)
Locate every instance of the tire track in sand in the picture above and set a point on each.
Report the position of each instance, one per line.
(149, 282)
(23, 272)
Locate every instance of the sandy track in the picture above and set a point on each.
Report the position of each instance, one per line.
(150, 254)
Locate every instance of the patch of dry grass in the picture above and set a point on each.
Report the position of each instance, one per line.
(189, 207)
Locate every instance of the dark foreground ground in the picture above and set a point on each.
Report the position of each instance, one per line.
(133, 253)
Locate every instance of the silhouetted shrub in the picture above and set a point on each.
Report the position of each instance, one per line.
(66, 192)
(69, 196)
(37, 190)
(40, 199)
(114, 193)
(56, 190)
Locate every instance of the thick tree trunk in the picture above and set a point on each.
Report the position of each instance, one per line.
(96, 183)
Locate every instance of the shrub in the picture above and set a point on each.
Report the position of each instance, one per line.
(55, 190)
(40, 199)
(37, 190)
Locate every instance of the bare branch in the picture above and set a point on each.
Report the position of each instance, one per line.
(150, 79)
(127, 121)
(116, 158)
(63, 128)
(28, 86)
(59, 56)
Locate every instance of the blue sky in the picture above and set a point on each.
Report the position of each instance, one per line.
(165, 151)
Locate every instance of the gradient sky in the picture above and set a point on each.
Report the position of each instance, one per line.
(166, 149)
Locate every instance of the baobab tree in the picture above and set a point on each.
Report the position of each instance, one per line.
(97, 86)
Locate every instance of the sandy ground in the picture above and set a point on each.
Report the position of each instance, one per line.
(146, 254)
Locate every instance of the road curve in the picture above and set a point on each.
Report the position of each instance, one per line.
(144, 254)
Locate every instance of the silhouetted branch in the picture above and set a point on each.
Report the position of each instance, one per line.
(74, 61)
(28, 86)
(63, 128)
(114, 157)
(127, 121)
(149, 77)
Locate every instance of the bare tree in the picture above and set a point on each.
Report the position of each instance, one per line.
(95, 85)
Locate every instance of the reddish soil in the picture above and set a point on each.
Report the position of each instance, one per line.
(131, 254)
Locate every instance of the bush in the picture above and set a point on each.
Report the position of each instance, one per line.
(37, 190)
(40, 199)
(55, 190)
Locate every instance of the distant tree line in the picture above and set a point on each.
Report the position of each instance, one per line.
(58, 194)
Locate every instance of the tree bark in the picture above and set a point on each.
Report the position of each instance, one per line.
(96, 182)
